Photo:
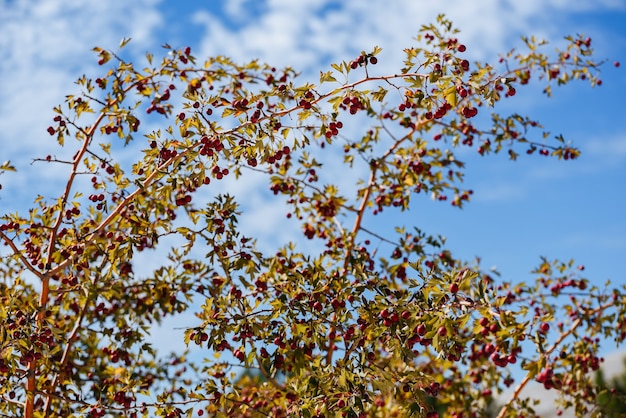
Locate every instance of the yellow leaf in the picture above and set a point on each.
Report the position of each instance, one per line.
(450, 95)
(124, 41)
(326, 77)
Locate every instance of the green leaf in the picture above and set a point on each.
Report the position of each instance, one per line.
(603, 398)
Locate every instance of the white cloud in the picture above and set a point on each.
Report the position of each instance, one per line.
(500, 192)
(602, 238)
(46, 47)
(300, 33)
(612, 150)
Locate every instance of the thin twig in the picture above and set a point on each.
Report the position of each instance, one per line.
(19, 254)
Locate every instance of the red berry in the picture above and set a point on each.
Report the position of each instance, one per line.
(544, 327)
(461, 48)
(616, 64)
(442, 331)
(454, 287)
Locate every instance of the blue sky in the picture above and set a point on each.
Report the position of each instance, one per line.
(520, 211)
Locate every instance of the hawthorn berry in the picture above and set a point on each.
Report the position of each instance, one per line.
(454, 288)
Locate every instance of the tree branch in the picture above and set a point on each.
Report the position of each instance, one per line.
(268, 376)
(19, 254)
(546, 354)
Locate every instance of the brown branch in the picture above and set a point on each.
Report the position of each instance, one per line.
(370, 185)
(360, 213)
(19, 254)
(374, 165)
(268, 376)
(66, 351)
(546, 354)
(380, 237)
(45, 279)
(13, 401)
(89, 239)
